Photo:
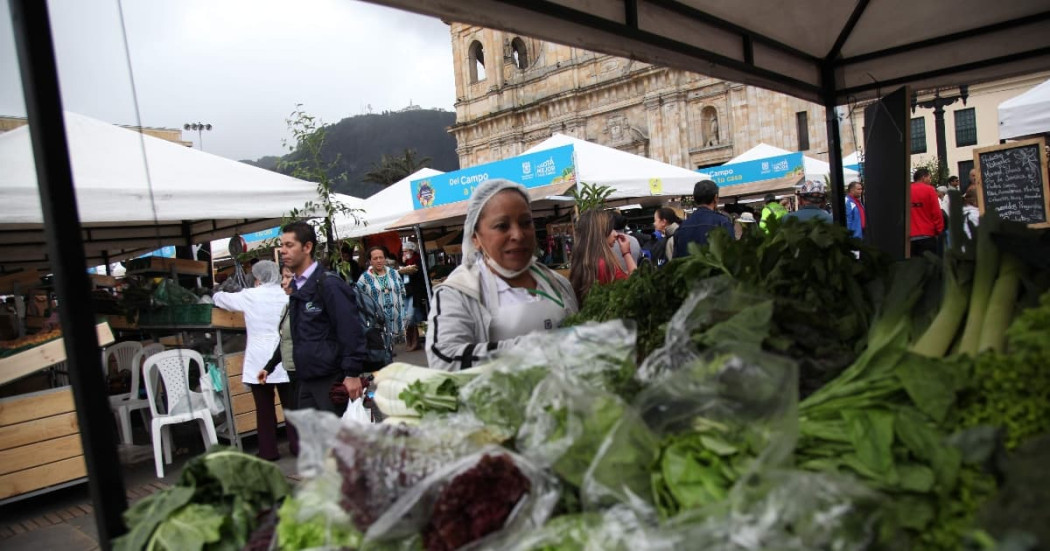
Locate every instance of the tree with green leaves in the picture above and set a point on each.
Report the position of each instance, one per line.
(590, 196)
(307, 163)
(390, 170)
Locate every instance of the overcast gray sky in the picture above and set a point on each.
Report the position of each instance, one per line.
(240, 65)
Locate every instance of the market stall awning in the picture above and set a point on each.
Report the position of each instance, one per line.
(630, 176)
(457, 212)
(812, 49)
(383, 208)
(136, 193)
(1027, 114)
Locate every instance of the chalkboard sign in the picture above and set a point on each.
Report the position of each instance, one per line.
(1013, 181)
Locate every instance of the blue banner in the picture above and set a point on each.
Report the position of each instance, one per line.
(542, 168)
(747, 172)
(261, 235)
(165, 252)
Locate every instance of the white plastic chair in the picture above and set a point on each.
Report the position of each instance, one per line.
(183, 404)
(123, 404)
(125, 353)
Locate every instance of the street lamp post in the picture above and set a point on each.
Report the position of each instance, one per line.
(938, 103)
(199, 127)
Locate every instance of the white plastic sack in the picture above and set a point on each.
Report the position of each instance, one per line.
(212, 395)
(356, 411)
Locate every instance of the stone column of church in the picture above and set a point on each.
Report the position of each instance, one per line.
(654, 119)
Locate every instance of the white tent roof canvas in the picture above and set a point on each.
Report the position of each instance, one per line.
(1027, 114)
(136, 193)
(383, 208)
(815, 168)
(629, 175)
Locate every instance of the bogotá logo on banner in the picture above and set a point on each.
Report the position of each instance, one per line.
(425, 195)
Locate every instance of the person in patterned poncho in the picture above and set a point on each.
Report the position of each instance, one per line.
(384, 285)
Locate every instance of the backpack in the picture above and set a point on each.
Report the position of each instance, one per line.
(657, 249)
(378, 341)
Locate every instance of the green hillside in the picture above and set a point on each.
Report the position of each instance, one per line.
(361, 141)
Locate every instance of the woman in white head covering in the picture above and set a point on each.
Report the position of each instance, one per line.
(262, 306)
(500, 292)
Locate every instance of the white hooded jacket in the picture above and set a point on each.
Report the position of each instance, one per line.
(461, 313)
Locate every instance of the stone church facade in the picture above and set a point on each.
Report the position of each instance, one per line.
(513, 92)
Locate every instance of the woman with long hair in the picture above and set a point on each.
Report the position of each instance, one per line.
(592, 256)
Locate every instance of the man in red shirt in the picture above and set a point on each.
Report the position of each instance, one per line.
(927, 222)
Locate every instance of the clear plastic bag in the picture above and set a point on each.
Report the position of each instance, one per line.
(614, 529)
(489, 496)
(787, 510)
(380, 463)
(566, 422)
(599, 355)
(715, 312)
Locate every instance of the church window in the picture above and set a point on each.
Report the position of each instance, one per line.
(477, 62)
(519, 53)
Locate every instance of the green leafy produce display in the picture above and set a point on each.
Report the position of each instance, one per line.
(823, 296)
(775, 392)
(213, 506)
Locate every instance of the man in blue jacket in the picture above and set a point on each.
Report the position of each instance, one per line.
(702, 220)
(328, 342)
(855, 218)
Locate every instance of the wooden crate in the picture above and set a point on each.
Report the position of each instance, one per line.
(47, 354)
(241, 396)
(226, 319)
(39, 442)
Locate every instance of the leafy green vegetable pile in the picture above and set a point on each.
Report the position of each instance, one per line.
(214, 505)
(789, 396)
(823, 297)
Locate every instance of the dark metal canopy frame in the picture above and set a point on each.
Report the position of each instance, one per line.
(832, 52)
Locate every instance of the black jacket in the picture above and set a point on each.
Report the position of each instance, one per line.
(327, 335)
(695, 230)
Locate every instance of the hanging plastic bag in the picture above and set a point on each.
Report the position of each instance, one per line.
(357, 412)
(211, 388)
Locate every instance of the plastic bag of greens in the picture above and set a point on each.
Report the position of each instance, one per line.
(312, 518)
(566, 422)
(600, 355)
(715, 314)
(471, 502)
(719, 420)
(614, 529)
(791, 511)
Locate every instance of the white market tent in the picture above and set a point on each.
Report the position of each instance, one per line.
(629, 175)
(1026, 115)
(383, 208)
(136, 193)
(851, 161)
(815, 169)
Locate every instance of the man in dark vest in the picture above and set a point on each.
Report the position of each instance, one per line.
(704, 219)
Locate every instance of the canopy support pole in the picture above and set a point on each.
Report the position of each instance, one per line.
(423, 258)
(36, 60)
(838, 188)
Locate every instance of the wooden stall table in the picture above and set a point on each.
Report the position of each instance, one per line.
(40, 447)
